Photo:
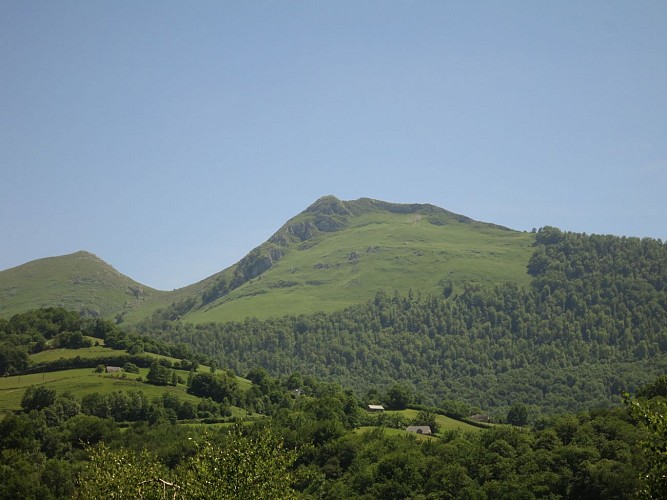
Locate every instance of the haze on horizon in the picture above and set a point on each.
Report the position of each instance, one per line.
(170, 139)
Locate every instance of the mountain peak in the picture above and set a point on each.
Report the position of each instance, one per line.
(331, 206)
(328, 205)
(80, 281)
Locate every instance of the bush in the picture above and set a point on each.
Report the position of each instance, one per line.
(130, 367)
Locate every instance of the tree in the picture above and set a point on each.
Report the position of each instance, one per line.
(653, 415)
(254, 467)
(123, 474)
(517, 415)
(245, 467)
(37, 398)
(130, 367)
(427, 418)
(158, 374)
(12, 359)
(71, 340)
(399, 397)
(218, 387)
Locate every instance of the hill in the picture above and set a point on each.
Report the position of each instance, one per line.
(80, 281)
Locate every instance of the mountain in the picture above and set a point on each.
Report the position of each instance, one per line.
(80, 281)
(338, 253)
(333, 254)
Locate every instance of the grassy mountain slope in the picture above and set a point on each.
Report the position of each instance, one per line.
(332, 255)
(339, 253)
(80, 281)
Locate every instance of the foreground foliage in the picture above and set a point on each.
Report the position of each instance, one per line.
(252, 467)
(652, 414)
(313, 446)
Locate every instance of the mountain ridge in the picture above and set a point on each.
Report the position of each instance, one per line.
(336, 246)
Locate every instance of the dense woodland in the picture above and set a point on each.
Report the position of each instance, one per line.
(592, 324)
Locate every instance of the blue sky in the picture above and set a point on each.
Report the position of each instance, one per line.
(170, 138)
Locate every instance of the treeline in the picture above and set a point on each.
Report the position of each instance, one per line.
(122, 407)
(592, 323)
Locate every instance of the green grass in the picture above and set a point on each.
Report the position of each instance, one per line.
(378, 251)
(82, 381)
(105, 352)
(374, 249)
(393, 432)
(85, 353)
(79, 281)
(92, 353)
(445, 423)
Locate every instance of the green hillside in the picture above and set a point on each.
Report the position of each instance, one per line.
(338, 253)
(82, 381)
(46, 348)
(80, 281)
(332, 255)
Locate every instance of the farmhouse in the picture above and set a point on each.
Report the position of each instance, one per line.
(419, 429)
(113, 369)
(375, 407)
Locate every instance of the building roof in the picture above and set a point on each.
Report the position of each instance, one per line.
(376, 407)
(419, 429)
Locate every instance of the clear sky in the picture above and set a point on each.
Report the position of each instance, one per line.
(172, 137)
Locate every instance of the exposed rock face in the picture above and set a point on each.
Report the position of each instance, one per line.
(254, 264)
(257, 266)
(327, 214)
(302, 230)
(330, 223)
(328, 205)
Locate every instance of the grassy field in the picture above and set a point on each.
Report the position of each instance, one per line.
(379, 251)
(445, 423)
(84, 381)
(81, 381)
(85, 353)
(394, 432)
